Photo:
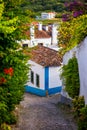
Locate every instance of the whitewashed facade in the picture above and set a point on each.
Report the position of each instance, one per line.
(36, 41)
(54, 77)
(44, 73)
(49, 39)
(49, 15)
(81, 54)
(37, 69)
(49, 80)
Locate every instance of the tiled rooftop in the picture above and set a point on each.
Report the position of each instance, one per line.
(40, 33)
(46, 56)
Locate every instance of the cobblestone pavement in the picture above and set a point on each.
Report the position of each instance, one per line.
(43, 113)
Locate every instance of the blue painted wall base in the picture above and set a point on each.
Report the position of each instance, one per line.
(36, 91)
(41, 92)
(54, 90)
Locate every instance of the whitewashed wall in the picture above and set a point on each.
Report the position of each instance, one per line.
(82, 61)
(81, 54)
(54, 77)
(45, 41)
(68, 55)
(34, 42)
(37, 69)
(26, 42)
(49, 15)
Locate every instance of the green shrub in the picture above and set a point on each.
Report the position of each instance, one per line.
(70, 75)
(78, 104)
(13, 62)
(13, 77)
(82, 121)
(4, 126)
(5, 115)
(80, 112)
(3, 112)
(11, 118)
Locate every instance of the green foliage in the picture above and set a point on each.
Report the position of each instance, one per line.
(5, 127)
(44, 5)
(80, 112)
(1, 9)
(7, 27)
(13, 66)
(12, 90)
(3, 112)
(72, 32)
(78, 104)
(71, 77)
(82, 122)
(11, 11)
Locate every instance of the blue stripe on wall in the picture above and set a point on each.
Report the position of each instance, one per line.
(54, 90)
(46, 78)
(41, 92)
(36, 91)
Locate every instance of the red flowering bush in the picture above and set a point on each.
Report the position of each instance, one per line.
(2, 80)
(13, 68)
(9, 71)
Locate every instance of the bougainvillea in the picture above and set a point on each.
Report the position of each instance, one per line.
(75, 9)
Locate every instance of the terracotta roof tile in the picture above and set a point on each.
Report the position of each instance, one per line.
(46, 56)
(42, 34)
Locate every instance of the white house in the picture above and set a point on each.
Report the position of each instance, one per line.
(81, 53)
(45, 34)
(49, 15)
(44, 74)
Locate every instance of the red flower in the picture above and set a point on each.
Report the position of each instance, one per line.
(2, 80)
(9, 71)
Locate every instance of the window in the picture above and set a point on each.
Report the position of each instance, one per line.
(37, 80)
(24, 45)
(32, 77)
(41, 44)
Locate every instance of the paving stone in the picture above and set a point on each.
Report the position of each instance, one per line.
(43, 113)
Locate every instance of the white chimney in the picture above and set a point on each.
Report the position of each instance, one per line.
(54, 34)
(40, 26)
(46, 28)
(32, 31)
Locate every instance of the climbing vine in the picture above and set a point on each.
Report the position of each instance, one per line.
(71, 77)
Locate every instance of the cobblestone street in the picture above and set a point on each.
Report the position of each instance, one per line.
(43, 113)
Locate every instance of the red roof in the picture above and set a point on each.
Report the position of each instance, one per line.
(46, 56)
(40, 33)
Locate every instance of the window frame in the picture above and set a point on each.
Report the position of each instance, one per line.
(32, 77)
(37, 80)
